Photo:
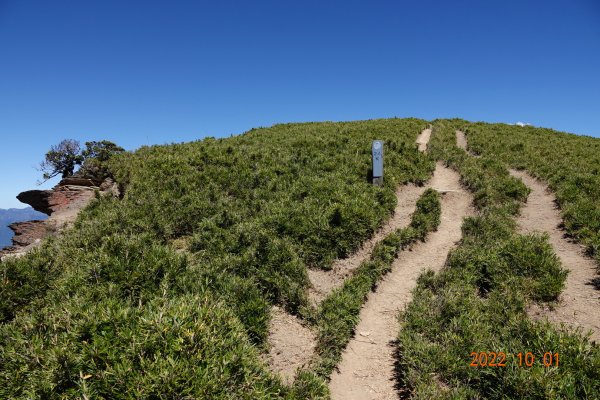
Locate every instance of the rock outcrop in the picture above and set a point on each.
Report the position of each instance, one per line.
(29, 232)
(62, 203)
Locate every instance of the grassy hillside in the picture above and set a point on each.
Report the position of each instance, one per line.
(478, 302)
(166, 293)
(570, 164)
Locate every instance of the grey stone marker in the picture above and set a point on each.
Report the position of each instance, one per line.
(377, 150)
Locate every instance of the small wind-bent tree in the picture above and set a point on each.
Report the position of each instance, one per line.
(62, 159)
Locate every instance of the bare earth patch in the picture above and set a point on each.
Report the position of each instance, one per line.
(367, 367)
(291, 344)
(461, 140)
(423, 139)
(579, 303)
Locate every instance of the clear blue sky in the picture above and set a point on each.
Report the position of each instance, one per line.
(146, 72)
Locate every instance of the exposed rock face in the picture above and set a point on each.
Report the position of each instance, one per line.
(29, 232)
(61, 197)
(62, 203)
(38, 199)
(76, 181)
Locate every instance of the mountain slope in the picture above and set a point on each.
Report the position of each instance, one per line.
(167, 292)
(175, 281)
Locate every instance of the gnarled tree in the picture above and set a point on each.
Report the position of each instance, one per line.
(62, 159)
(65, 156)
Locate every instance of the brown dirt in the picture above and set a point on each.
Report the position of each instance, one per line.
(461, 140)
(367, 367)
(291, 344)
(323, 282)
(423, 139)
(579, 303)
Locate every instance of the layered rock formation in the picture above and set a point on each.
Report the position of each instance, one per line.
(62, 203)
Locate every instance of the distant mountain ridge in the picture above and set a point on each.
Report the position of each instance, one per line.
(11, 215)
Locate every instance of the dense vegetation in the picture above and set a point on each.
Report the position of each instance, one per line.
(166, 292)
(477, 303)
(338, 313)
(570, 164)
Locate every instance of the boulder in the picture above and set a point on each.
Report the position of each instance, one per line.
(57, 199)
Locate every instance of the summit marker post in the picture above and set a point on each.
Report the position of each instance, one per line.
(377, 151)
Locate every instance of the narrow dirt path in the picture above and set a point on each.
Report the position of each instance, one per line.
(323, 282)
(579, 304)
(367, 367)
(291, 344)
(423, 139)
(461, 140)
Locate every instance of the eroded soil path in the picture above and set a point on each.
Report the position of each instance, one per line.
(579, 304)
(423, 139)
(461, 140)
(323, 282)
(291, 344)
(367, 367)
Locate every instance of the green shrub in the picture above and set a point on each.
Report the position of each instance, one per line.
(183, 347)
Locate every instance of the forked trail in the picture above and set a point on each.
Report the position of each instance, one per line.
(580, 301)
(291, 343)
(367, 367)
(323, 282)
(579, 304)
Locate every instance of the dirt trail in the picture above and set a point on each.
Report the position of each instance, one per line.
(323, 282)
(580, 302)
(461, 140)
(423, 139)
(291, 344)
(367, 367)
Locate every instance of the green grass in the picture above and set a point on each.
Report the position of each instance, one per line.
(569, 163)
(338, 314)
(166, 293)
(477, 303)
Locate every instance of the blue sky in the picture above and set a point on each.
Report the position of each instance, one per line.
(146, 72)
